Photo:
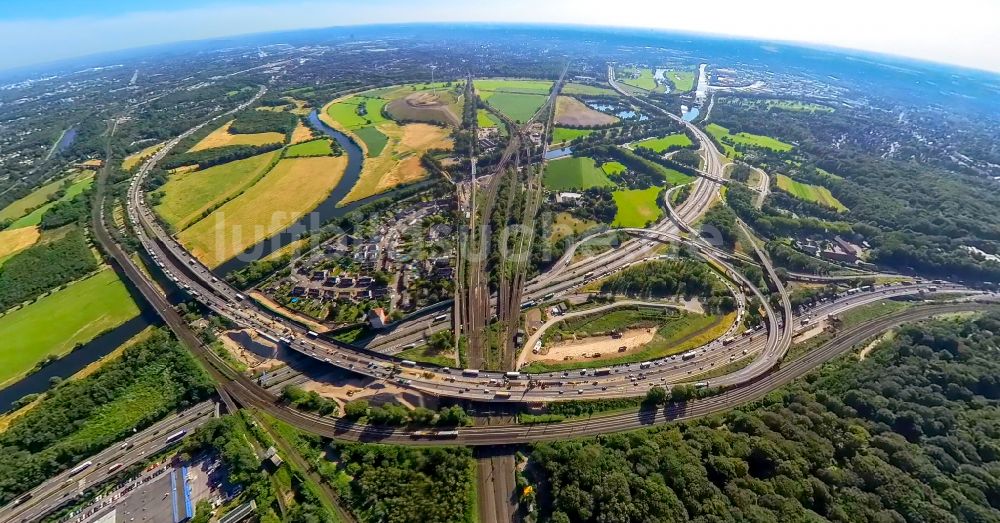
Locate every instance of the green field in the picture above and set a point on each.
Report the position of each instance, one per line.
(588, 90)
(81, 183)
(574, 173)
(636, 207)
(52, 325)
(485, 119)
(612, 168)
(790, 105)
(321, 147)
(565, 134)
(34, 199)
(512, 86)
(658, 145)
(644, 81)
(518, 107)
(187, 196)
(683, 80)
(374, 140)
(722, 134)
(425, 354)
(345, 112)
(810, 193)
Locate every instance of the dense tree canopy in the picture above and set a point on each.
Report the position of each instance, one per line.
(909, 434)
(43, 267)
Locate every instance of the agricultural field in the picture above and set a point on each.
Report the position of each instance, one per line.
(573, 112)
(188, 196)
(613, 168)
(574, 173)
(643, 78)
(722, 134)
(84, 308)
(484, 119)
(34, 199)
(81, 182)
(563, 134)
(658, 145)
(221, 137)
(294, 187)
(320, 147)
(798, 106)
(518, 107)
(810, 193)
(399, 162)
(346, 111)
(565, 224)
(636, 207)
(302, 133)
(134, 159)
(13, 241)
(373, 139)
(683, 80)
(489, 86)
(588, 90)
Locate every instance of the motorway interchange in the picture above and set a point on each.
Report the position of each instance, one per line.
(766, 346)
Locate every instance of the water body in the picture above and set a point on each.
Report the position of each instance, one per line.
(326, 211)
(553, 154)
(691, 115)
(600, 106)
(67, 139)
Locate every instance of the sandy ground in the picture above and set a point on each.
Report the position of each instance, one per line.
(570, 111)
(874, 343)
(16, 240)
(632, 339)
(302, 133)
(255, 352)
(816, 330)
(533, 320)
(343, 389)
(221, 137)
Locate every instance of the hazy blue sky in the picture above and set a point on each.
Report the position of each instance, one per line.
(961, 32)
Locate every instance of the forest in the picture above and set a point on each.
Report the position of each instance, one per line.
(44, 267)
(681, 277)
(908, 434)
(80, 417)
(253, 121)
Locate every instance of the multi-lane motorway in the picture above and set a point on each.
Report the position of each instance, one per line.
(61, 489)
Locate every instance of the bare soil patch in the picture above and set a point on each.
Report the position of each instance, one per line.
(570, 111)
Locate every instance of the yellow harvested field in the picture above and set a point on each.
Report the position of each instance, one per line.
(137, 157)
(13, 241)
(302, 133)
(399, 162)
(294, 187)
(573, 112)
(184, 169)
(221, 137)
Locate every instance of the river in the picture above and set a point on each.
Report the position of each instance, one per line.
(326, 211)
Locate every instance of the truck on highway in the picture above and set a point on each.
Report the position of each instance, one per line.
(728, 340)
(603, 371)
(503, 394)
(80, 468)
(549, 296)
(701, 385)
(240, 297)
(312, 334)
(688, 356)
(645, 365)
(440, 317)
(513, 375)
(470, 372)
(408, 363)
(588, 275)
(114, 467)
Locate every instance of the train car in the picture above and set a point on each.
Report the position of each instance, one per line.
(440, 317)
(114, 467)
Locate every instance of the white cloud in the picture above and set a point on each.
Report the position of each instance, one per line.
(963, 32)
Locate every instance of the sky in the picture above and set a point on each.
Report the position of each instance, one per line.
(958, 32)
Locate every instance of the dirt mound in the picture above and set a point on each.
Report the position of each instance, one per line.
(425, 100)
